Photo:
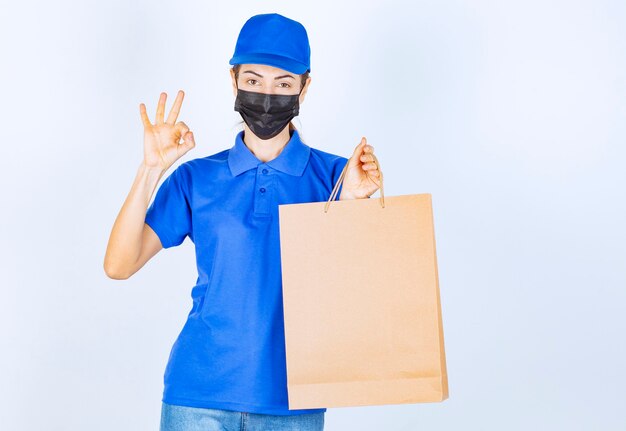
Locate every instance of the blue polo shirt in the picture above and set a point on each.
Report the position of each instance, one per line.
(230, 354)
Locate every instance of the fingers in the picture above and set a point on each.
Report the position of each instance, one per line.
(359, 148)
(363, 147)
(182, 128)
(144, 115)
(189, 141)
(370, 166)
(171, 118)
(356, 154)
(173, 115)
(366, 155)
(369, 160)
(363, 156)
(160, 108)
(187, 135)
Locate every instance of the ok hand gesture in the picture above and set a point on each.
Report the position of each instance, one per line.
(161, 140)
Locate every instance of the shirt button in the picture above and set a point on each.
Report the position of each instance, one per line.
(262, 189)
(264, 171)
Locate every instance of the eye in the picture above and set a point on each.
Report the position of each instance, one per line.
(248, 81)
(286, 85)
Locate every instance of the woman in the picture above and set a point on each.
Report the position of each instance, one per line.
(227, 367)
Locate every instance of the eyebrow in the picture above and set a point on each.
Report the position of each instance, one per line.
(278, 77)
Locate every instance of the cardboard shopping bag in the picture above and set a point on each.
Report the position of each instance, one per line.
(363, 323)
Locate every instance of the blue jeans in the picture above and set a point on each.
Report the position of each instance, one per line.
(182, 418)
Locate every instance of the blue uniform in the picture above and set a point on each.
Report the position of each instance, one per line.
(230, 354)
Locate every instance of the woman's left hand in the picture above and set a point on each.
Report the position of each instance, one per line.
(362, 177)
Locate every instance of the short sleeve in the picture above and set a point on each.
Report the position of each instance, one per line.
(338, 167)
(169, 214)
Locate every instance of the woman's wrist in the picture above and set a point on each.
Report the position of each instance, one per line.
(151, 170)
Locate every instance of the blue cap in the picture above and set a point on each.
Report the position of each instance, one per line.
(274, 40)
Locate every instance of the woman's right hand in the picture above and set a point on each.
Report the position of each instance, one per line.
(161, 141)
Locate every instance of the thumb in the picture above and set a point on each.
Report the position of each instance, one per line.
(356, 155)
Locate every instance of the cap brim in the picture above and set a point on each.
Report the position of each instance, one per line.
(286, 63)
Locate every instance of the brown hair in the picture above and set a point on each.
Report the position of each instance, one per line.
(303, 79)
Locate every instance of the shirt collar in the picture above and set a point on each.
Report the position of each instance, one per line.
(291, 160)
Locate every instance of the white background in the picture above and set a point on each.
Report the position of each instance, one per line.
(511, 113)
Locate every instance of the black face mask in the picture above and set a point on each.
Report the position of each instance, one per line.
(266, 114)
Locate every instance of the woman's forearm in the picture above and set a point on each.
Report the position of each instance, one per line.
(125, 241)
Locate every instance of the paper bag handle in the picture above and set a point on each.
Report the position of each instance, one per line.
(340, 180)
